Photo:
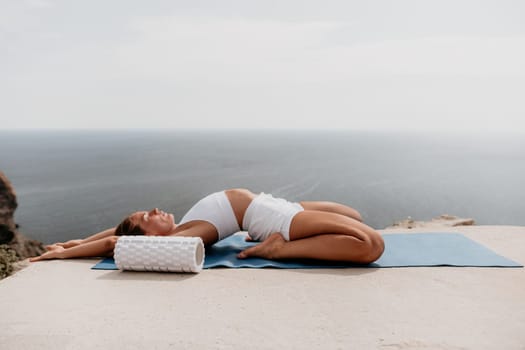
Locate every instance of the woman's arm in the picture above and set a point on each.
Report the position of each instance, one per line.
(206, 231)
(74, 242)
(100, 247)
(103, 234)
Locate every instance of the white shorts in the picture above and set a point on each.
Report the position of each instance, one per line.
(266, 215)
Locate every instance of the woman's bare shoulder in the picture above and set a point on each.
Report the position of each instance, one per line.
(197, 228)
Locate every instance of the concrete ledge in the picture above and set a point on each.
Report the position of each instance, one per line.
(65, 305)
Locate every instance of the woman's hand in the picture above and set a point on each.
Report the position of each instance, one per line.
(54, 252)
(71, 243)
(68, 244)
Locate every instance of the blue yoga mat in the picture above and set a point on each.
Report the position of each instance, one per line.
(401, 250)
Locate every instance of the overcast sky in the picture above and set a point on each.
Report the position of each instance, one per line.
(275, 64)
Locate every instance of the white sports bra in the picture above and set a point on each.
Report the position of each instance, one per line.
(217, 210)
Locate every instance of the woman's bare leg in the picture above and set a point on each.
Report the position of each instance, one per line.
(322, 247)
(324, 236)
(333, 207)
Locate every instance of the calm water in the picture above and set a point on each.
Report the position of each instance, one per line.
(73, 183)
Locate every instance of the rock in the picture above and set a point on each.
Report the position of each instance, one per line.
(6, 235)
(8, 203)
(14, 245)
(444, 220)
(25, 247)
(451, 220)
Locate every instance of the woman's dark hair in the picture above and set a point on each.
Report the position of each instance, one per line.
(129, 228)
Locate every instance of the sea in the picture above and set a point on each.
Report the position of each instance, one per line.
(73, 183)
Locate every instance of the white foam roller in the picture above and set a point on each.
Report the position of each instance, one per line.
(159, 253)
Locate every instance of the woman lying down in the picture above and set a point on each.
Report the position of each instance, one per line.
(286, 230)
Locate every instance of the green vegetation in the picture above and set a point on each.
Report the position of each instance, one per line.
(7, 258)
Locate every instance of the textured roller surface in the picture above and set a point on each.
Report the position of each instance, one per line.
(155, 253)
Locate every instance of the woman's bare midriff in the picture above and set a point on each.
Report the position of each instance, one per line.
(239, 199)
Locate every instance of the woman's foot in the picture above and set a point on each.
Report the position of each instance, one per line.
(268, 249)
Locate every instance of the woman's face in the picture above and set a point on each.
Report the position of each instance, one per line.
(155, 222)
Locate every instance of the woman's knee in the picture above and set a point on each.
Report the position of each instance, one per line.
(376, 247)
